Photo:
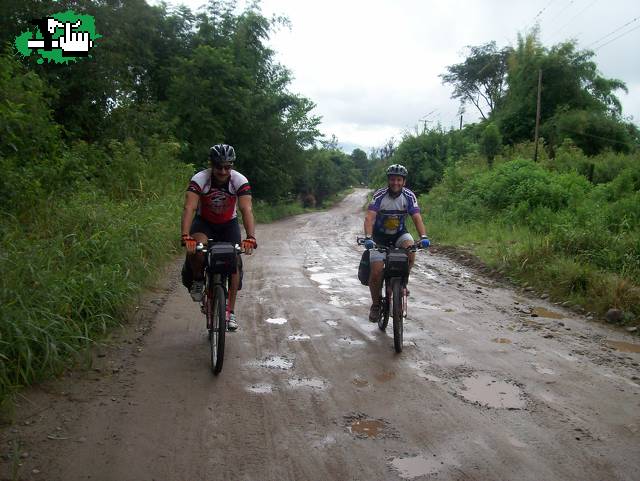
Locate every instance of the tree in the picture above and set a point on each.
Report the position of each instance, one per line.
(491, 142)
(570, 83)
(361, 162)
(480, 79)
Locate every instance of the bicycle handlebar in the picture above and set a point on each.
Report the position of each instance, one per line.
(382, 248)
(200, 247)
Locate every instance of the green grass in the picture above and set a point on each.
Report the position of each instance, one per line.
(529, 257)
(71, 279)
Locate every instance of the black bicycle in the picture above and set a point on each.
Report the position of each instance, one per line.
(394, 297)
(221, 260)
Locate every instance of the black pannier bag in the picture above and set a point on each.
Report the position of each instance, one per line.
(222, 258)
(364, 268)
(397, 264)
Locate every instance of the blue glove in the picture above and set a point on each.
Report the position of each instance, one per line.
(424, 242)
(368, 243)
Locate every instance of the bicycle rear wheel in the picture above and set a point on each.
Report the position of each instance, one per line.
(398, 318)
(218, 328)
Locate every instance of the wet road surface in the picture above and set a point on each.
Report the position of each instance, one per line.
(310, 390)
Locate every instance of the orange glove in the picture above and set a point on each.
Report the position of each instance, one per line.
(189, 242)
(249, 244)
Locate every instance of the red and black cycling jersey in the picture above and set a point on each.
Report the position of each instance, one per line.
(218, 203)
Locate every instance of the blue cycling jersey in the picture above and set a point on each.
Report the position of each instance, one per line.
(392, 211)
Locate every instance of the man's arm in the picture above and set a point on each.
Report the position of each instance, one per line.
(417, 221)
(191, 200)
(246, 207)
(369, 221)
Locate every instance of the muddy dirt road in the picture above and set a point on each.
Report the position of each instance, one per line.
(311, 390)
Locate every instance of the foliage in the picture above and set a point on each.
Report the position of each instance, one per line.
(555, 218)
(491, 142)
(480, 79)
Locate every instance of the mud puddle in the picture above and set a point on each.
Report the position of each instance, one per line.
(276, 362)
(298, 337)
(365, 427)
(542, 312)
(276, 320)
(409, 468)
(623, 346)
(488, 391)
(502, 340)
(307, 382)
(260, 388)
(369, 428)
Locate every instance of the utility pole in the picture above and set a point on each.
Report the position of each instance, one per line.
(535, 155)
(461, 122)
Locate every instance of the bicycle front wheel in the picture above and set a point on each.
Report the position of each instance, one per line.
(218, 329)
(398, 317)
(383, 320)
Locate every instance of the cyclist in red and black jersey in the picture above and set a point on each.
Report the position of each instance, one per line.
(214, 195)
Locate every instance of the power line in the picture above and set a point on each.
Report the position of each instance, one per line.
(612, 32)
(563, 9)
(616, 38)
(542, 10)
(573, 18)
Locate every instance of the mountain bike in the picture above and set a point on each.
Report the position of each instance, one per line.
(221, 260)
(394, 297)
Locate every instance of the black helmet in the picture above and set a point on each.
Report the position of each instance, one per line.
(397, 169)
(221, 154)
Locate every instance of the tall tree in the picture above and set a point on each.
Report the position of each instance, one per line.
(480, 79)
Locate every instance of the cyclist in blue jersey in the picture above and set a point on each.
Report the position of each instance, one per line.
(385, 224)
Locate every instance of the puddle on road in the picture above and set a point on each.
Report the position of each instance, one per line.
(315, 268)
(370, 428)
(409, 468)
(543, 370)
(276, 320)
(623, 346)
(385, 376)
(491, 392)
(359, 382)
(307, 382)
(298, 337)
(276, 362)
(351, 341)
(542, 312)
(260, 388)
(502, 340)
(337, 302)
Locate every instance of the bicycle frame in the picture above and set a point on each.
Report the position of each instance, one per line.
(394, 289)
(216, 294)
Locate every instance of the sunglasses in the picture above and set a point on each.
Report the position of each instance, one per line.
(223, 167)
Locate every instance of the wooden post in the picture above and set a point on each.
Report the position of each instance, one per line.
(535, 155)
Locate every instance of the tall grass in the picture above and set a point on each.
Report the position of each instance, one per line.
(69, 271)
(551, 227)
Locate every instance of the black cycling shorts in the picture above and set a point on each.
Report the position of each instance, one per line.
(227, 232)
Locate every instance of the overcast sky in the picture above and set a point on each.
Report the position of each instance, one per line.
(372, 66)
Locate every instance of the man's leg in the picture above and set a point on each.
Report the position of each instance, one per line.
(197, 260)
(233, 289)
(375, 286)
